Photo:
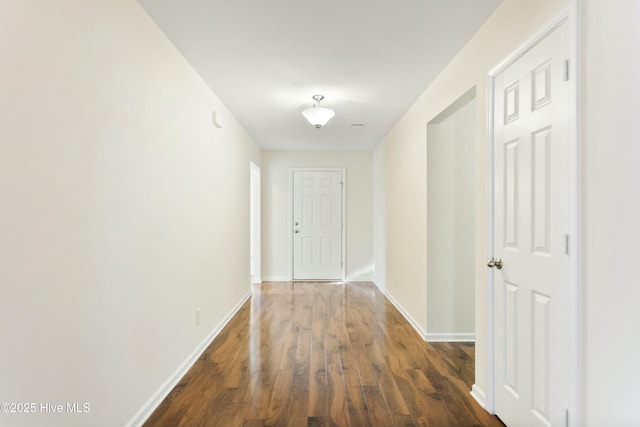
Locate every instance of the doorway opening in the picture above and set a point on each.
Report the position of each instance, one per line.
(451, 236)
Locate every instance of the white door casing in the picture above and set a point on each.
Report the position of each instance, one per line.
(317, 224)
(254, 226)
(532, 223)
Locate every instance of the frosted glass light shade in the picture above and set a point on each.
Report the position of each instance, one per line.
(318, 116)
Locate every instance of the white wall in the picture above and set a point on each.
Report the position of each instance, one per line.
(611, 212)
(276, 215)
(451, 222)
(404, 153)
(123, 209)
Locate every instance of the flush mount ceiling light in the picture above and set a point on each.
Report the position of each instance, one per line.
(317, 115)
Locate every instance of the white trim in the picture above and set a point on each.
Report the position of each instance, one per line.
(156, 399)
(489, 294)
(404, 312)
(570, 16)
(575, 77)
(344, 223)
(529, 44)
(367, 278)
(479, 396)
(380, 288)
(255, 239)
(450, 337)
(256, 280)
(344, 215)
(276, 279)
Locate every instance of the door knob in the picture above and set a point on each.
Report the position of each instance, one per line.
(497, 263)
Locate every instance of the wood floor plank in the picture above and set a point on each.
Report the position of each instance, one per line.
(458, 358)
(337, 397)
(357, 412)
(318, 393)
(232, 414)
(318, 422)
(259, 400)
(298, 408)
(290, 346)
(364, 365)
(387, 383)
(324, 355)
(377, 408)
(302, 362)
(280, 399)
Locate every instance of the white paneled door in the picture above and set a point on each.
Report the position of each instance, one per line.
(532, 221)
(317, 225)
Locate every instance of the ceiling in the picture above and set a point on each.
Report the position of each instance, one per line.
(371, 60)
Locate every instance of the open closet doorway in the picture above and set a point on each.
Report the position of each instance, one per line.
(451, 234)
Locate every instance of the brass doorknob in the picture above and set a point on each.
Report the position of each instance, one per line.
(497, 263)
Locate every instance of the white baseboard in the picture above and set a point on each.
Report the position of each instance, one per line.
(404, 312)
(479, 396)
(450, 337)
(366, 278)
(288, 279)
(276, 279)
(156, 399)
(380, 288)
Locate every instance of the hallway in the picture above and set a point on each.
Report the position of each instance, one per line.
(309, 354)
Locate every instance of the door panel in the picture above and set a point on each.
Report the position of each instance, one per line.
(317, 225)
(532, 217)
(511, 191)
(511, 317)
(540, 189)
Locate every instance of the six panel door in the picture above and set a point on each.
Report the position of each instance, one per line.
(531, 221)
(317, 225)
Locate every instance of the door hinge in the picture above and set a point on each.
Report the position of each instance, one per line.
(566, 244)
(566, 70)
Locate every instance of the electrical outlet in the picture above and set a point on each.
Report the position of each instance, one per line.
(198, 316)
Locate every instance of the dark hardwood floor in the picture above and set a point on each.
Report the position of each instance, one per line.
(314, 354)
